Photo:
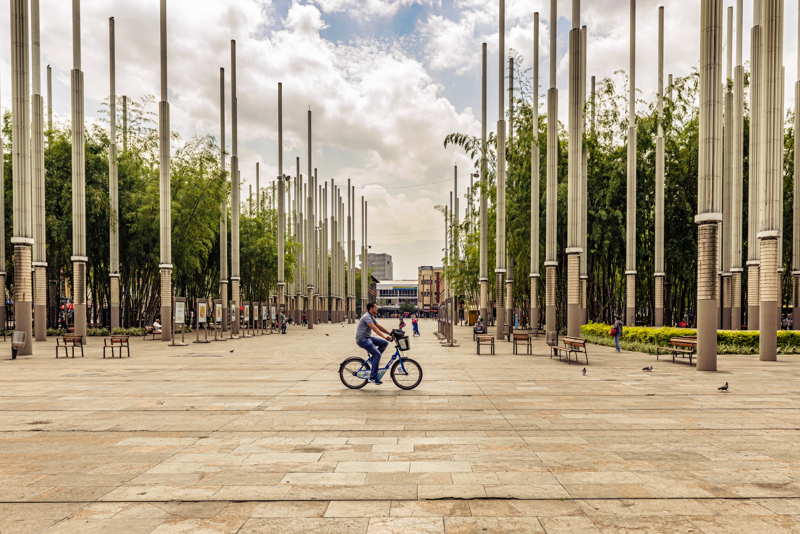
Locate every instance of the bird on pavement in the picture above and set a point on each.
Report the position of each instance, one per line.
(647, 369)
(723, 387)
(231, 350)
(584, 371)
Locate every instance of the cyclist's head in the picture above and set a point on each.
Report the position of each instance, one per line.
(372, 308)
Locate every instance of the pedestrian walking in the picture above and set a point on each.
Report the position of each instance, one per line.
(616, 331)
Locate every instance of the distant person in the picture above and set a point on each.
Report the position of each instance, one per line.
(616, 331)
(480, 327)
(156, 324)
(402, 324)
(415, 326)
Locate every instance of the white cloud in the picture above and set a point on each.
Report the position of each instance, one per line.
(362, 9)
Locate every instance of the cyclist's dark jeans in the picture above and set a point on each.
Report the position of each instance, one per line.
(375, 346)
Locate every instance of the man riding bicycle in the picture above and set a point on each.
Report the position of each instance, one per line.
(373, 345)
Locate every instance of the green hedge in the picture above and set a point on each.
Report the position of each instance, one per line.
(728, 341)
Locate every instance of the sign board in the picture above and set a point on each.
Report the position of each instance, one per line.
(202, 311)
(256, 311)
(180, 310)
(264, 311)
(218, 311)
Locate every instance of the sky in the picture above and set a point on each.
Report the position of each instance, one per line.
(386, 81)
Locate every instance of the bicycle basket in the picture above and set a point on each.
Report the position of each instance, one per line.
(403, 343)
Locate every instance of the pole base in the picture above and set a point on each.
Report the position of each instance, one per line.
(658, 317)
(753, 317)
(768, 340)
(707, 311)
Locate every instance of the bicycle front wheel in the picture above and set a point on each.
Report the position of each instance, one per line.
(352, 373)
(406, 373)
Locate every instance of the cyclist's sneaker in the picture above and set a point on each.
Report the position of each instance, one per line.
(376, 381)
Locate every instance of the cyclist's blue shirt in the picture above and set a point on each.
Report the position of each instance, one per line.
(363, 330)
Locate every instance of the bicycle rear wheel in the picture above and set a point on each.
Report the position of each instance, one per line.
(349, 373)
(406, 373)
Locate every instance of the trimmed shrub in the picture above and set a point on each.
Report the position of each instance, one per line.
(728, 341)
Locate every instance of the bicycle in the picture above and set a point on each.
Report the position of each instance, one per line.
(405, 372)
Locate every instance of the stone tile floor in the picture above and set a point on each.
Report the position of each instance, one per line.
(199, 439)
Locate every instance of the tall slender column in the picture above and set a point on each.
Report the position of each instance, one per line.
(37, 178)
(771, 159)
(630, 217)
(3, 206)
(350, 292)
(21, 173)
(301, 234)
(113, 185)
(727, 180)
(258, 188)
(796, 197)
(575, 169)
(165, 197)
(500, 225)
(551, 242)
(364, 263)
(660, 272)
(235, 198)
(709, 180)
(49, 98)
(281, 208)
(584, 189)
(755, 170)
(312, 268)
(323, 254)
(223, 209)
(509, 258)
(534, 236)
(79, 258)
(124, 124)
(353, 250)
(737, 181)
(483, 247)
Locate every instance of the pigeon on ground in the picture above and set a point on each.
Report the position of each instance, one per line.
(327, 334)
(723, 387)
(647, 369)
(584, 371)
(231, 350)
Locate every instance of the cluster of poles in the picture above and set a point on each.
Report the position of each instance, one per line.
(719, 218)
(311, 213)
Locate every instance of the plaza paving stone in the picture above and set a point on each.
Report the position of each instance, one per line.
(199, 439)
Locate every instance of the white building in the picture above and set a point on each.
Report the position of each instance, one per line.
(392, 294)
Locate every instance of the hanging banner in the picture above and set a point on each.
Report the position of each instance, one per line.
(180, 310)
(218, 311)
(202, 311)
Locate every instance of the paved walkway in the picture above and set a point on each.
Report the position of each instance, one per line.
(259, 435)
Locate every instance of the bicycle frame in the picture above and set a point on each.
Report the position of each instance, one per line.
(364, 371)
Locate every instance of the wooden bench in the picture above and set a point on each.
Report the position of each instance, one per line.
(153, 332)
(568, 347)
(116, 343)
(484, 339)
(522, 339)
(681, 347)
(69, 342)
